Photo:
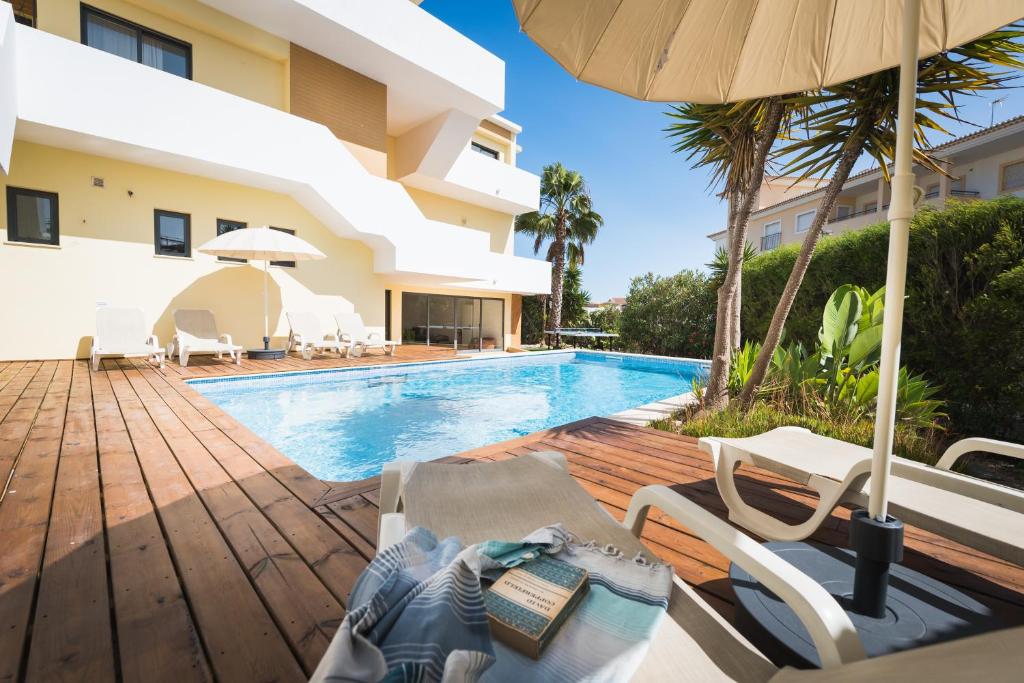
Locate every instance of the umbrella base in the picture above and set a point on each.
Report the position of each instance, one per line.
(266, 354)
(919, 610)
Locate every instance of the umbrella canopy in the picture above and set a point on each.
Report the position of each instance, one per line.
(711, 51)
(262, 244)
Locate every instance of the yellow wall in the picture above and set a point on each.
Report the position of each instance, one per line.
(498, 225)
(226, 54)
(106, 254)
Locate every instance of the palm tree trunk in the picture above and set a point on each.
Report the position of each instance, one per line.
(734, 324)
(557, 282)
(796, 276)
(717, 395)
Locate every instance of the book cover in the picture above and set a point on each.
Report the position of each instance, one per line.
(527, 604)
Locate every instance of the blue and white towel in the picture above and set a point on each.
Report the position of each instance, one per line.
(417, 614)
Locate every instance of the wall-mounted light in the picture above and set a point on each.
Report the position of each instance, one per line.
(97, 182)
(130, 194)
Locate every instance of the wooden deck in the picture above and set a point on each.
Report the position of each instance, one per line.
(146, 535)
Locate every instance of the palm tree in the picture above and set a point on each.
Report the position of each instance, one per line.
(567, 221)
(734, 140)
(859, 116)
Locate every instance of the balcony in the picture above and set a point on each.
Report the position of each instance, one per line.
(862, 212)
(769, 242)
(157, 119)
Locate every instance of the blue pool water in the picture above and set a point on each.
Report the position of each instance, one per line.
(343, 425)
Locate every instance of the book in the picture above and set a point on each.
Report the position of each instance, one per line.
(528, 604)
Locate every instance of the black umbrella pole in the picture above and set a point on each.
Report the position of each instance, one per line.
(877, 544)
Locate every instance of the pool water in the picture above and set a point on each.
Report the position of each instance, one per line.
(343, 425)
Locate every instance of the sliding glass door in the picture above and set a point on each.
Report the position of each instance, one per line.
(461, 322)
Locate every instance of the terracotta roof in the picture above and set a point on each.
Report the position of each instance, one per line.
(874, 169)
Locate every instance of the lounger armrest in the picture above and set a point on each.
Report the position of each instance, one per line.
(344, 336)
(374, 336)
(153, 341)
(226, 338)
(830, 627)
(965, 446)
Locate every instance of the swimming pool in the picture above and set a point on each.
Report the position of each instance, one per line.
(344, 424)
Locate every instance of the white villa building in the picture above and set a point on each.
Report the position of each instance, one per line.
(133, 131)
(984, 164)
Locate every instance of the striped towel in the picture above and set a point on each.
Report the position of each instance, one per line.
(417, 614)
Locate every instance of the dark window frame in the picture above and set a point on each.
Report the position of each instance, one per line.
(12, 215)
(283, 264)
(157, 213)
(26, 16)
(240, 225)
(139, 30)
(485, 150)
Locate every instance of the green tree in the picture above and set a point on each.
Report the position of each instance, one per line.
(574, 299)
(567, 222)
(858, 117)
(672, 316)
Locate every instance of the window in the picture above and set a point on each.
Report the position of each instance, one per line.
(285, 264)
(123, 38)
(843, 211)
(32, 216)
(871, 207)
(932, 191)
(486, 151)
(224, 226)
(173, 233)
(25, 12)
(804, 220)
(1012, 177)
(773, 228)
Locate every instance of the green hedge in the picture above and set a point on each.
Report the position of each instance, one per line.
(964, 319)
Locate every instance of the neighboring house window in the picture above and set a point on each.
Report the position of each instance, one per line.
(772, 235)
(224, 226)
(25, 12)
(173, 233)
(1012, 177)
(870, 207)
(123, 38)
(843, 212)
(486, 151)
(932, 191)
(32, 216)
(804, 220)
(286, 264)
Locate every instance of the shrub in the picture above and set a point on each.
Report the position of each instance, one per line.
(673, 316)
(965, 296)
(533, 319)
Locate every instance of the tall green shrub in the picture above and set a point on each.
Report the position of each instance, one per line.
(672, 316)
(963, 320)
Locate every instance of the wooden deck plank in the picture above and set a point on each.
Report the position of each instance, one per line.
(18, 406)
(157, 637)
(25, 513)
(305, 611)
(242, 640)
(71, 636)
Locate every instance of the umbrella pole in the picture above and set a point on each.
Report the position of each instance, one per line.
(266, 309)
(875, 536)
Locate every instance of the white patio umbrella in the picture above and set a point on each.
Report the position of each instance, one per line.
(713, 51)
(262, 244)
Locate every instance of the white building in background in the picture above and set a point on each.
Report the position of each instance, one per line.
(133, 131)
(982, 165)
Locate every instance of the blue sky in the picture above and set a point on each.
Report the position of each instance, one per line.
(657, 210)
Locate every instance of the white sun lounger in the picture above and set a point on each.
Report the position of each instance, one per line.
(307, 335)
(976, 513)
(352, 330)
(123, 332)
(196, 332)
(509, 499)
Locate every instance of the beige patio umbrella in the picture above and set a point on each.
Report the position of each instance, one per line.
(262, 244)
(713, 51)
(710, 51)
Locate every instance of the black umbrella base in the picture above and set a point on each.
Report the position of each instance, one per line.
(266, 354)
(919, 611)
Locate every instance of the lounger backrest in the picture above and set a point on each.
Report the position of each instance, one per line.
(194, 325)
(351, 324)
(306, 324)
(120, 328)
